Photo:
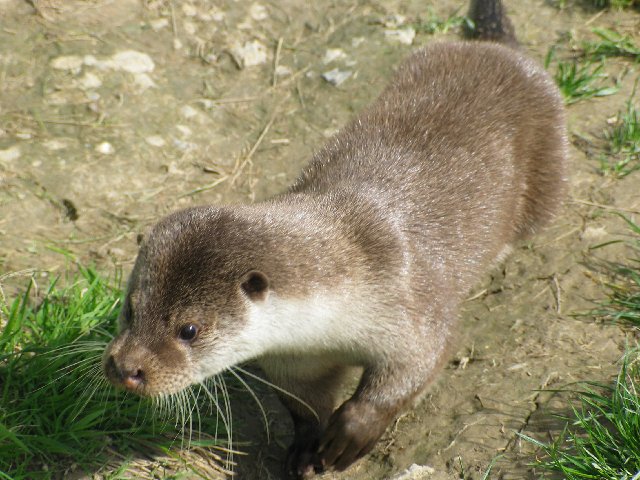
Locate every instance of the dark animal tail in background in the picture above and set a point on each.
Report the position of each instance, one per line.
(490, 23)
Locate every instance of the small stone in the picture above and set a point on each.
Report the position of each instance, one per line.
(336, 76)
(10, 154)
(250, 54)
(72, 63)
(189, 10)
(131, 61)
(283, 71)
(172, 169)
(333, 54)
(403, 35)
(357, 41)
(591, 233)
(415, 472)
(211, 58)
(177, 44)
(90, 60)
(188, 111)
(189, 28)
(182, 145)
(93, 96)
(143, 81)
(155, 141)
(158, 24)
(258, 12)
(55, 144)
(218, 16)
(206, 103)
(105, 148)
(36, 163)
(184, 130)
(89, 81)
(24, 135)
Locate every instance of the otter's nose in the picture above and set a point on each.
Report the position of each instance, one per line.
(130, 376)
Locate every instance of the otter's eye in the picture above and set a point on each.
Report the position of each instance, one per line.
(188, 332)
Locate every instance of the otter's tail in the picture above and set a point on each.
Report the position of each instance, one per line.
(490, 23)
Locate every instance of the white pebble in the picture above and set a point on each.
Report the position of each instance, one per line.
(283, 71)
(415, 472)
(250, 54)
(258, 12)
(10, 154)
(188, 111)
(206, 103)
(90, 60)
(184, 130)
(333, 54)
(72, 63)
(211, 58)
(177, 44)
(159, 24)
(89, 81)
(357, 41)
(403, 35)
(143, 81)
(189, 10)
(55, 144)
(155, 141)
(131, 61)
(182, 145)
(24, 135)
(36, 163)
(336, 76)
(189, 28)
(105, 148)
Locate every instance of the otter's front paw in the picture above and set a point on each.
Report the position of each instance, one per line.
(303, 460)
(352, 432)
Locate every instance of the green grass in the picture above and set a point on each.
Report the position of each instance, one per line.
(602, 436)
(56, 408)
(615, 4)
(580, 80)
(601, 439)
(624, 142)
(611, 44)
(600, 4)
(433, 24)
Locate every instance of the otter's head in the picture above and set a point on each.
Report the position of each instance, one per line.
(186, 304)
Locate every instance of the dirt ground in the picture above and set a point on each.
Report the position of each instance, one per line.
(115, 112)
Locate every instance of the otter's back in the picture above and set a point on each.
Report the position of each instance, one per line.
(473, 132)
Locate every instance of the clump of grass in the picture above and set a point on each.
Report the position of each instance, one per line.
(623, 304)
(616, 4)
(611, 44)
(600, 4)
(434, 24)
(602, 437)
(579, 81)
(624, 142)
(56, 410)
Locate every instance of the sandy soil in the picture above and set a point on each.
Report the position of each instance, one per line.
(96, 146)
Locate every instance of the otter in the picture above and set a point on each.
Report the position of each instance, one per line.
(366, 258)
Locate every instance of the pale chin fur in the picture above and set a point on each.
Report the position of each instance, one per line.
(278, 326)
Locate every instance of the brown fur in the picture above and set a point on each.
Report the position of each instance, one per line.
(393, 220)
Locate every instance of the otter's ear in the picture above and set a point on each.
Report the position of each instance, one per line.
(255, 285)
